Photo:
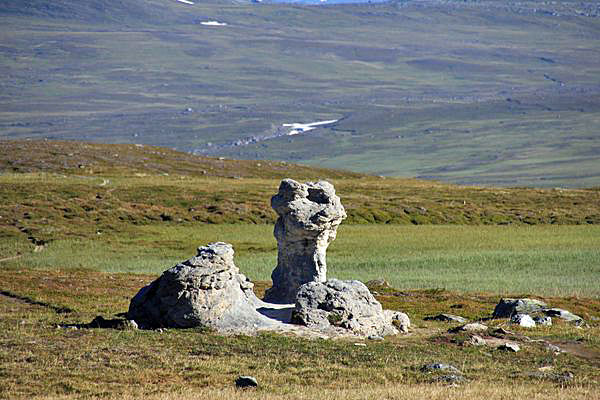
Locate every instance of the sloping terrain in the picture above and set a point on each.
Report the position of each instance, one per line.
(491, 92)
(56, 190)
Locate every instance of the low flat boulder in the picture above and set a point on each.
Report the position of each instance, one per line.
(473, 327)
(446, 318)
(343, 306)
(506, 308)
(562, 314)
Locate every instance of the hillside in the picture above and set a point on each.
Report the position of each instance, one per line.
(488, 92)
(56, 190)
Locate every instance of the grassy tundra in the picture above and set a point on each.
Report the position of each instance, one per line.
(104, 230)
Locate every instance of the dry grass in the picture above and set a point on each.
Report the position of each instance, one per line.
(37, 358)
(473, 391)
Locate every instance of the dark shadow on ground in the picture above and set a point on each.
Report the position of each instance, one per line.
(279, 314)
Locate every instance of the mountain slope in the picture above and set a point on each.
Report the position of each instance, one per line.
(489, 93)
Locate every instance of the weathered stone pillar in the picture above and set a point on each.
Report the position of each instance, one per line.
(309, 215)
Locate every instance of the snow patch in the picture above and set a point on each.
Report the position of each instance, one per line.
(298, 128)
(213, 23)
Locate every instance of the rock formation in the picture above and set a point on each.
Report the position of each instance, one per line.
(345, 306)
(209, 291)
(309, 215)
(204, 291)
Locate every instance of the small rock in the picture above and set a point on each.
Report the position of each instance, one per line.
(562, 314)
(543, 321)
(508, 346)
(399, 320)
(476, 340)
(446, 318)
(472, 327)
(380, 282)
(439, 367)
(360, 344)
(553, 348)
(131, 324)
(506, 308)
(375, 338)
(246, 382)
(501, 331)
(523, 320)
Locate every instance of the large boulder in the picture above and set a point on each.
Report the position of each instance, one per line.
(204, 291)
(309, 215)
(506, 308)
(346, 307)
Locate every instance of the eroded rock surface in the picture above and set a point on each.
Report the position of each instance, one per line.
(204, 291)
(506, 308)
(309, 215)
(348, 306)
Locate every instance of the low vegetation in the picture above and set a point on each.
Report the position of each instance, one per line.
(79, 242)
(69, 189)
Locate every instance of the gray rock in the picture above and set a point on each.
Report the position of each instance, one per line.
(552, 376)
(377, 283)
(509, 346)
(309, 215)
(553, 348)
(543, 321)
(523, 320)
(472, 327)
(506, 308)
(341, 305)
(246, 382)
(562, 314)
(434, 367)
(446, 318)
(476, 340)
(399, 320)
(204, 291)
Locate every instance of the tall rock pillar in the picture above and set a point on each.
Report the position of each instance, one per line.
(309, 215)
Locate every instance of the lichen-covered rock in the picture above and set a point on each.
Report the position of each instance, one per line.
(506, 308)
(309, 215)
(342, 306)
(446, 318)
(563, 314)
(204, 291)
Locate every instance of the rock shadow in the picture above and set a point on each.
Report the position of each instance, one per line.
(283, 315)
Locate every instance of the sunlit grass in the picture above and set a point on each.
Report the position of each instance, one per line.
(550, 260)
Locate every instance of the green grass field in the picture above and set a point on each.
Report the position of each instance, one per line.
(540, 260)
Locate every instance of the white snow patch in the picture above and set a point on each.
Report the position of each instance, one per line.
(301, 128)
(185, 2)
(213, 23)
